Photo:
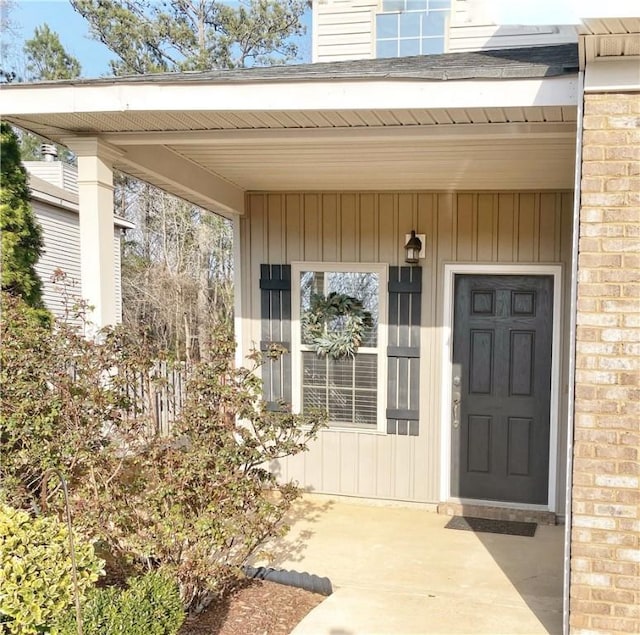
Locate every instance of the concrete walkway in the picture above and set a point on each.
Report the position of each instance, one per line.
(398, 571)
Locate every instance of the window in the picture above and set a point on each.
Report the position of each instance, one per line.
(350, 390)
(411, 27)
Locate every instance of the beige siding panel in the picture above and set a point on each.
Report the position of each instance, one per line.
(370, 227)
(550, 216)
(330, 233)
(486, 244)
(312, 219)
(329, 481)
(384, 472)
(526, 227)
(349, 234)
(367, 465)
(387, 219)
(348, 465)
(294, 227)
(313, 461)
(465, 238)
(506, 224)
(403, 474)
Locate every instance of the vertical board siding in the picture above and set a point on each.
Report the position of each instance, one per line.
(499, 227)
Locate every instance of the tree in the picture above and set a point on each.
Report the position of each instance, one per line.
(151, 37)
(21, 235)
(8, 30)
(47, 58)
(177, 264)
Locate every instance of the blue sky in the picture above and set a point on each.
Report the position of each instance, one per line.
(74, 33)
(72, 29)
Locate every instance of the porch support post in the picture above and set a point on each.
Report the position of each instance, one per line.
(95, 194)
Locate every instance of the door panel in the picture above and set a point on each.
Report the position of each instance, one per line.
(502, 374)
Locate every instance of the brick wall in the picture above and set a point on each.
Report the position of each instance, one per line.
(605, 553)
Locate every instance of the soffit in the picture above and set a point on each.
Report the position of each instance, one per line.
(53, 126)
(610, 38)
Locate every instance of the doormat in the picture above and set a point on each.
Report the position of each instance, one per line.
(510, 527)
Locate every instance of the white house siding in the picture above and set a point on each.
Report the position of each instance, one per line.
(471, 29)
(500, 227)
(61, 236)
(117, 238)
(345, 30)
(57, 173)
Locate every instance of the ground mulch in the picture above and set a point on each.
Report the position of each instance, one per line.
(258, 607)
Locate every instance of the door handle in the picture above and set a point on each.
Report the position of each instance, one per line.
(456, 398)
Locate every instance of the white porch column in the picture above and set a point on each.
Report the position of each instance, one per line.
(95, 194)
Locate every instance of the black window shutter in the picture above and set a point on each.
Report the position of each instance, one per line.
(275, 314)
(403, 350)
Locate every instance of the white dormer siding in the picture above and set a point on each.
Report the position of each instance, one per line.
(57, 173)
(345, 30)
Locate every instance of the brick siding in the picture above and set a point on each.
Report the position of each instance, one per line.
(605, 553)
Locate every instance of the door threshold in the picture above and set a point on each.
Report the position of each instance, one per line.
(477, 509)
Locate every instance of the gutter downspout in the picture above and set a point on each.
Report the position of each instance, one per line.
(572, 357)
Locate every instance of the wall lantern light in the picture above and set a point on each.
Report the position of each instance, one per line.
(413, 248)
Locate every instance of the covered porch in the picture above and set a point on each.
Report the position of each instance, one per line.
(399, 570)
(328, 167)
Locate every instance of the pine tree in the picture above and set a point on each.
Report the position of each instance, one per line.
(21, 234)
(149, 36)
(47, 58)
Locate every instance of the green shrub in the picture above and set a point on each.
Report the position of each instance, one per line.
(198, 501)
(35, 572)
(149, 606)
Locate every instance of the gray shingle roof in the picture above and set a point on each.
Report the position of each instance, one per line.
(530, 62)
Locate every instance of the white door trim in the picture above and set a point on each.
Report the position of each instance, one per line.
(450, 271)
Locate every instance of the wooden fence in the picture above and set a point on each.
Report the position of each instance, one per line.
(159, 394)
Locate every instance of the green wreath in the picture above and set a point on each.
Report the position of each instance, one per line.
(335, 343)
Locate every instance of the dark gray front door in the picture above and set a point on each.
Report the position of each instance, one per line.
(502, 380)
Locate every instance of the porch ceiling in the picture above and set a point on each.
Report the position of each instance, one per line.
(401, 149)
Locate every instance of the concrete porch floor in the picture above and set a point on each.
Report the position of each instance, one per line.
(397, 570)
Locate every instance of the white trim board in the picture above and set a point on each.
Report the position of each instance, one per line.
(120, 96)
(450, 271)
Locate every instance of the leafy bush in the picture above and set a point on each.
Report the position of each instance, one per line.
(197, 502)
(36, 572)
(149, 606)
